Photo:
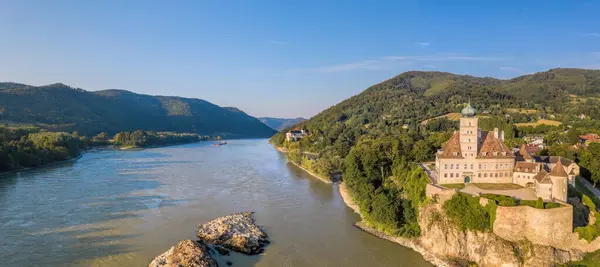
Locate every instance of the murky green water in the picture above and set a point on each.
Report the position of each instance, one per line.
(122, 208)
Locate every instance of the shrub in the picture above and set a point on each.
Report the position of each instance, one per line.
(467, 213)
(591, 231)
(551, 205)
(501, 200)
(539, 204)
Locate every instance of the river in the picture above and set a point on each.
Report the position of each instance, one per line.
(123, 208)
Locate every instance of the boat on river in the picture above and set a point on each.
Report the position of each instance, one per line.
(220, 144)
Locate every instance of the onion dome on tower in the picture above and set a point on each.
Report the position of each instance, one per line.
(468, 111)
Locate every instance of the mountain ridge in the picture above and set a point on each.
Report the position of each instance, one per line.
(60, 107)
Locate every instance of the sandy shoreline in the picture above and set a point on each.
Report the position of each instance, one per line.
(311, 173)
(406, 242)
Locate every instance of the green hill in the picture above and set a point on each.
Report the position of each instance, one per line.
(280, 123)
(59, 107)
(415, 96)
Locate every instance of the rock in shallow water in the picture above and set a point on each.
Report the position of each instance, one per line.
(187, 253)
(236, 232)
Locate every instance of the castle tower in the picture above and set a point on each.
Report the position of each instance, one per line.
(559, 177)
(469, 132)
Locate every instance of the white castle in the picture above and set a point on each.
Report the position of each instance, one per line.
(475, 156)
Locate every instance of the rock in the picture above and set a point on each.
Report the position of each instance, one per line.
(187, 253)
(236, 232)
(222, 251)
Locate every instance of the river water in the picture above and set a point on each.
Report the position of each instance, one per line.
(123, 208)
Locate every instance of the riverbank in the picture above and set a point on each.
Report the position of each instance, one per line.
(283, 150)
(44, 165)
(312, 173)
(406, 242)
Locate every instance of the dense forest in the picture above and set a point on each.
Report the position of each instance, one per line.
(28, 146)
(61, 108)
(377, 137)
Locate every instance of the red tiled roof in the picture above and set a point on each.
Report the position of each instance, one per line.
(493, 147)
(524, 153)
(452, 148)
(530, 167)
(589, 137)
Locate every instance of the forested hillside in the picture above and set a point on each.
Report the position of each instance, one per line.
(376, 138)
(414, 96)
(59, 107)
(280, 123)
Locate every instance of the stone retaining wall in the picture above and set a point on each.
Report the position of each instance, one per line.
(549, 227)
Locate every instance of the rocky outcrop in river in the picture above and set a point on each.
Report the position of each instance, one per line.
(237, 232)
(187, 253)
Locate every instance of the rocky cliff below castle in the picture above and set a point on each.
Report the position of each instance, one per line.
(443, 244)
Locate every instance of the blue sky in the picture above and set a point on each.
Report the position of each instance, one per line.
(285, 58)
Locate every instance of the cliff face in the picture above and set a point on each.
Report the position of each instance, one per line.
(443, 239)
(444, 244)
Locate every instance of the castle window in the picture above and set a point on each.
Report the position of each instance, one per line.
(445, 166)
(495, 153)
(485, 166)
(496, 175)
(479, 175)
(501, 174)
(485, 175)
(457, 166)
(518, 176)
(506, 165)
(471, 166)
(454, 153)
(451, 166)
(480, 166)
(452, 175)
(496, 166)
(445, 175)
(465, 166)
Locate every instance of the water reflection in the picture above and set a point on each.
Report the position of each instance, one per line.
(122, 208)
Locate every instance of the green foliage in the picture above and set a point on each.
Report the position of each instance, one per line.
(30, 147)
(59, 107)
(590, 160)
(387, 187)
(591, 231)
(507, 201)
(501, 200)
(411, 97)
(467, 213)
(539, 204)
(141, 138)
(589, 260)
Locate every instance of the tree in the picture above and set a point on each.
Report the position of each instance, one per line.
(572, 136)
(539, 204)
